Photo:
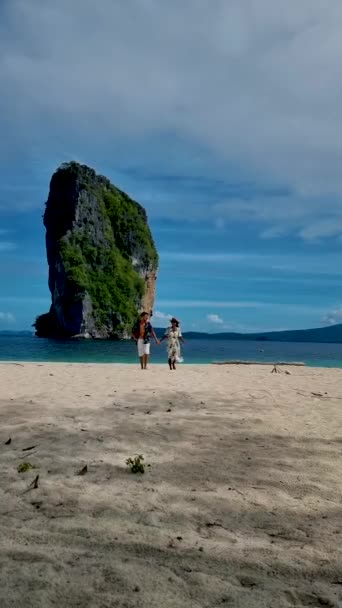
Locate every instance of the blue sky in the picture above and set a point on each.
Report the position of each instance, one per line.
(223, 119)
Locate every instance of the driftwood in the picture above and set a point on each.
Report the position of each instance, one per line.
(83, 471)
(287, 363)
(33, 485)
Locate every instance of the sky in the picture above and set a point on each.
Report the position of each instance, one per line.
(223, 118)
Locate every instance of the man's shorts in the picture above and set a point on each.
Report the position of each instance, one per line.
(143, 349)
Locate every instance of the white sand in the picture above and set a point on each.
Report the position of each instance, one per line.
(240, 507)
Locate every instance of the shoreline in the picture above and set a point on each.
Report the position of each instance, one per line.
(184, 365)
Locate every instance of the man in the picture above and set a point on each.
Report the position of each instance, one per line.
(141, 333)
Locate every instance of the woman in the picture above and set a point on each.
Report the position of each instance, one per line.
(174, 337)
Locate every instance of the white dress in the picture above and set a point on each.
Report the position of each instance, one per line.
(173, 345)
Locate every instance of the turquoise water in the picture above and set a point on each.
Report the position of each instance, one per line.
(27, 348)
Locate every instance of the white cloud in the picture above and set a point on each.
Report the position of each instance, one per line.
(328, 264)
(333, 317)
(209, 304)
(161, 316)
(223, 304)
(215, 319)
(252, 86)
(212, 258)
(273, 232)
(7, 246)
(7, 317)
(323, 228)
(309, 217)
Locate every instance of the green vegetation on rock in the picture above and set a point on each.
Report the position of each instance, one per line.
(92, 270)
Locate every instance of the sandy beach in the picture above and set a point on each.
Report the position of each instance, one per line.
(240, 504)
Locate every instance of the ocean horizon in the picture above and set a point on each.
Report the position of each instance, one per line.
(32, 349)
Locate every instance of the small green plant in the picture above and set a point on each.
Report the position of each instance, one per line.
(25, 466)
(136, 464)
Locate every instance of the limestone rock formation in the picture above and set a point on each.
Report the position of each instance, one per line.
(101, 256)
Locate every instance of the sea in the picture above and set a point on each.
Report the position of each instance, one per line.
(31, 348)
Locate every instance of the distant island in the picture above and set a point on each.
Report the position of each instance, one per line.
(327, 335)
(14, 333)
(331, 334)
(101, 256)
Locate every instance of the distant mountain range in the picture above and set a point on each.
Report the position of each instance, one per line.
(331, 334)
(7, 332)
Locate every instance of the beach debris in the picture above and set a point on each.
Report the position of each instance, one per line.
(318, 395)
(238, 362)
(136, 464)
(31, 447)
(276, 370)
(34, 484)
(247, 581)
(214, 524)
(25, 466)
(83, 471)
(235, 490)
(9, 441)
(37, 503)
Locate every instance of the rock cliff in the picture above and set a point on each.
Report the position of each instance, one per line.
(101, 256)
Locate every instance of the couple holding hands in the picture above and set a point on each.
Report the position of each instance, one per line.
(142, 332)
